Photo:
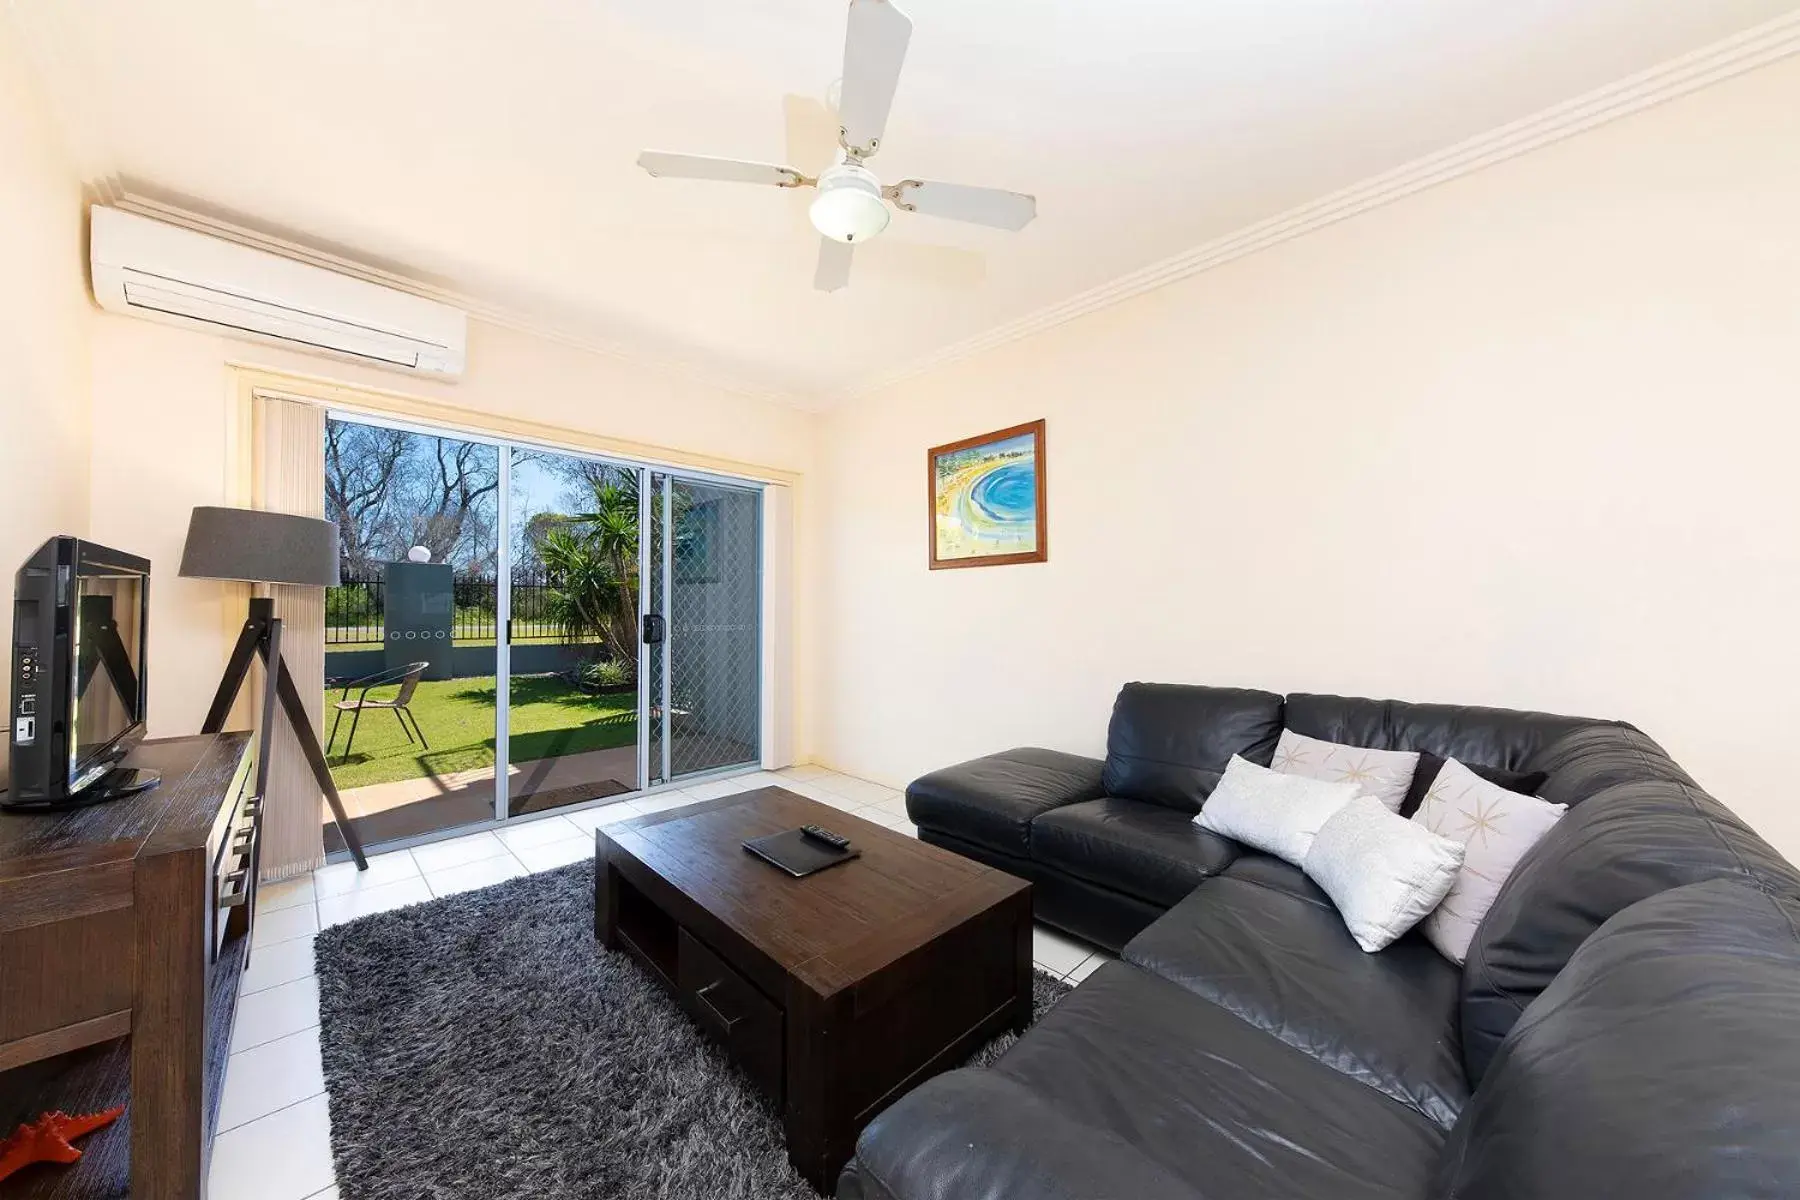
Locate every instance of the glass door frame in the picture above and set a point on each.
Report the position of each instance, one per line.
(647, 471)
(664, 605)
(647, 513)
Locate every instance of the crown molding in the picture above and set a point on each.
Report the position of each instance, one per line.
(1690, 72)
(1680, 76)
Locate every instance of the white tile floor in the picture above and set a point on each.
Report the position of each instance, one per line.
(274, 1140)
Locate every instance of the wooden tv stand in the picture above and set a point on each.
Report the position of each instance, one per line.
(124, 933)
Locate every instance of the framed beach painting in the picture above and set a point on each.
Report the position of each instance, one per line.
(987, 499)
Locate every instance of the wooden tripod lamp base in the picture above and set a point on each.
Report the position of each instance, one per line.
(261, 638)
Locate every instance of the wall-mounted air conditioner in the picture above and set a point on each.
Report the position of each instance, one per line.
(151, 269)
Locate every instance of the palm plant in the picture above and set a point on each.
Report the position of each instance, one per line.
(592, 560)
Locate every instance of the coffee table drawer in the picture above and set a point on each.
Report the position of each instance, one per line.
(730, 1009)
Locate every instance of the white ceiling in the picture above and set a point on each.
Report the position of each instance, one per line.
(488, 147)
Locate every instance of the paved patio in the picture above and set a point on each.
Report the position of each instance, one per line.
(411, 808)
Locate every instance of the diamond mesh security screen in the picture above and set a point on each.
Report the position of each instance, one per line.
(715, 633)
(653, 653)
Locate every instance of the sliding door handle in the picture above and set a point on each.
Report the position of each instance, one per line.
(655, 629)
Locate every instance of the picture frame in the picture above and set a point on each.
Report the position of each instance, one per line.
(986, 499)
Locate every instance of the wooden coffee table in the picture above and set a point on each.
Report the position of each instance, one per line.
(837, 993)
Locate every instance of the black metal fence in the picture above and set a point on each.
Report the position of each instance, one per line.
(355, 610)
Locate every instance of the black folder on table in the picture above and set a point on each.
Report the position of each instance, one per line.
(798, 854)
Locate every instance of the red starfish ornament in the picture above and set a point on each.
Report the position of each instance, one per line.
(47, 1139)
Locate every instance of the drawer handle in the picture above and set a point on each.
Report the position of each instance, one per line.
(240, 844)
(235, 888)
(704, 997)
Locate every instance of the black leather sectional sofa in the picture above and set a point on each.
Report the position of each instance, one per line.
(1627, 1023)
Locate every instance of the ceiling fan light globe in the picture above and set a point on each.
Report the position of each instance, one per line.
(849, 207)
(849, 216)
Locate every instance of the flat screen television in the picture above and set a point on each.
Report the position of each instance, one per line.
(80, 628)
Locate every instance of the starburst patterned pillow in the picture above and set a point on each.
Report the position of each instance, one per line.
(1496, 828)
(1382, 774)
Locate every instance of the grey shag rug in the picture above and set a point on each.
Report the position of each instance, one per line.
(484, 1047)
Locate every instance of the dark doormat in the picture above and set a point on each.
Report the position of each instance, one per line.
(484, 1047)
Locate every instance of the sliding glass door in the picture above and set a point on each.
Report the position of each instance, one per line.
(522, 629)
(573, 632)
(704, 635)
(410, 632)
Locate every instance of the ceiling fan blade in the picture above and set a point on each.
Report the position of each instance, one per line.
(959, 202)
(834, 265)
(661, 163)
(874, 49)
(812, 133)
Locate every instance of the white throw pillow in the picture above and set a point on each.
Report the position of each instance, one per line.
(1268, 810)
(1496, 827)
(1383, 774)
(1382, 871)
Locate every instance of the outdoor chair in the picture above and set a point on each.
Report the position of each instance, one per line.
(401, 705)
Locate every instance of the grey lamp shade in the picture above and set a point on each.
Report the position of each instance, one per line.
(260, 547)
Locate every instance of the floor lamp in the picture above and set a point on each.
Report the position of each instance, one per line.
(250, 546)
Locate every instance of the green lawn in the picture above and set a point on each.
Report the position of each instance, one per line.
(549, 718)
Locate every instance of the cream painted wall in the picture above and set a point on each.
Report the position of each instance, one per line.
(164, 400)
(44, 318)
(1527, 439)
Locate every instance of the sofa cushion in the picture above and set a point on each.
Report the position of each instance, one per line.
(1168, 742)
(1132, 1088)
(1101, 915)
(1276, 813)
(1588, 761)
(1526, 783)
(1609, 851)
(1215, 1101)
(1384, 872)
(991, 801)
(1485, 737)
(1662, 1064)
(1287, 965)
(1384, 775)
(920, 1150)
(1265, 870)
(1497, 828)
(1144, 850)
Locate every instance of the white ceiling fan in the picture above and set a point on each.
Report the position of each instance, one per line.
(851, 206)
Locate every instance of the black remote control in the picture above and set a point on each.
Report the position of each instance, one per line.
(836, 841)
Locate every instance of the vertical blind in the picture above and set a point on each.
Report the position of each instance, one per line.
(289, 477)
